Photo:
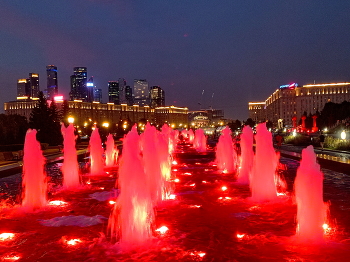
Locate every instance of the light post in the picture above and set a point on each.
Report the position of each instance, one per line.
(70, 119)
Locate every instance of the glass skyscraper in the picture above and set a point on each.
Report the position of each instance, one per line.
(52, 87)
(79, 84)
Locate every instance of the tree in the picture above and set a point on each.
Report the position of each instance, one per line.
(250, 123)
(234, 125)
(64, 113)
(45, 121)
(13, 129)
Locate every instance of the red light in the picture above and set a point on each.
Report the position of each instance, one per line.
(58, 98)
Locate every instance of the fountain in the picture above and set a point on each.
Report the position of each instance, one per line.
(34, 183)
(311, 210)
(190, 136)
(96, 154)
(262, 180)
(132, 216)
(111, 152)
(200, 141)
(226, 156)
(247, 155)
(70, 167)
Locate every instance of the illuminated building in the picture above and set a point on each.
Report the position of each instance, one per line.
(128, 95)
(52, 87)
(90, 90)
(122, 96)
(23, 88)
(293, 100)
(78, 84)
(157, 96)
(141, 92)
(98, 95)
(113, 92)
(98, 112)
(257, 111)
(34, 84)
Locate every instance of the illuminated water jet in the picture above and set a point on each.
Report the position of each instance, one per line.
(311, 210)
(111, 152)
(262, 180)
(96, 154)
(226, 156)
(247, 155)
(200, 141)
(34, 182)
(70, 167)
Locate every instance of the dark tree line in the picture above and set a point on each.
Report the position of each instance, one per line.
(12, 129)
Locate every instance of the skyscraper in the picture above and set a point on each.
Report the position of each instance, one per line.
(113, 92)
(122, 85)
(98, 95)
(23, 88)
(78, 84)
(128, 95)
(141, 92)
(157, 96)
(52, 88)
(34, 84)
(90, 89)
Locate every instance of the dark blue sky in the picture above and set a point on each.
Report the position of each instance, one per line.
(239, 50)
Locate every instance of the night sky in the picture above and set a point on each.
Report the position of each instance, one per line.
(240, 50)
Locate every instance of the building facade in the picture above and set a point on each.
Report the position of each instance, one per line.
(52, 86)
(78, 83)
(110, 112)
(293, 100)
(141, 92)
(122, 91)
(34, 84)
(23, 88)
(113, 92)
(157, 97)
(257, 111)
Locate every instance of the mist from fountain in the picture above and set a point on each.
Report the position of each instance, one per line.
(34, 181)
(247, 155)
(262, 179)
(96, 154)
(200, 141)
(133, 214)
(167, 132)
(226, 156)
(111, 152)
(70, 167)
(308, 188)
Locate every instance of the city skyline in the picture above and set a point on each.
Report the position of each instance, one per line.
(235, 51)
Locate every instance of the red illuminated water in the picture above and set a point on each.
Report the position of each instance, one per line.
(34, 181)
(211, 218)
(200, 141)
(70, 167)
(247, 155)
(311, 210)
(133, 215)
(262, 180)
(96, 154)
(111, 152)
(226, 156)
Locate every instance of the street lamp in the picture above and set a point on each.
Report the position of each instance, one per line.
(105, 124)
(70, 120)
(343, 135)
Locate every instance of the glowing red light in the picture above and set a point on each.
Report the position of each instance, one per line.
(187, 174)
(176, 180)
(11, 258)
(174, 162)
(172, 197)
(112, 202)
(58, 98)
(57, 203)
(204, 182)
(223, 188)
(240, 236)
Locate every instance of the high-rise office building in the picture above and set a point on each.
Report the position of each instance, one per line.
(157, 96)
(113, 92)
(52, 87)
(98, 95)
(128, 95)
(23, 88)
(34, 85)
(141, 92)
(78, 84)
(122, 96)
(90, 90)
